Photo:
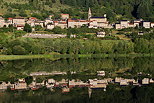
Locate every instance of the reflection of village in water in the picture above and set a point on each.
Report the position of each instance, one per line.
(66, 85)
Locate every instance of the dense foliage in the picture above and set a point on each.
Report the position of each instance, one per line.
(115, 9)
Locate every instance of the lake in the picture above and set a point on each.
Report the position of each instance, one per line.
(77, 80)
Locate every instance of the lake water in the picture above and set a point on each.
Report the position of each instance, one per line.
(80, 80)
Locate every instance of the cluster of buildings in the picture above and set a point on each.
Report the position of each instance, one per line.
(132, 24)
(66, 22)
(66, 85)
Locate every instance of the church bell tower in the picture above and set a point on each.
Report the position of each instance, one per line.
(89, 14)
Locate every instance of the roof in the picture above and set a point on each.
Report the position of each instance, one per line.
(10, 18)
(78, 20)
(33, 18)
(64, 14)
(55, 21)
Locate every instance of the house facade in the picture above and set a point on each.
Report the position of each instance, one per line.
(65, 16)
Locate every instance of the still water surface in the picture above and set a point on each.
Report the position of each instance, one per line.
(107, 80)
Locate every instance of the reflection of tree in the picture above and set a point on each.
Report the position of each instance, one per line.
(82, 65)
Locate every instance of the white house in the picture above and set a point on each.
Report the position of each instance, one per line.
(118, 26)
(19, 21)
(101, 35)
(124, 24)
(146, 24)
(152, 25)
(2, 22)
(77, 23)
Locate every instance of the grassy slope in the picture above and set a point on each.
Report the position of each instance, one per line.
(55, 8)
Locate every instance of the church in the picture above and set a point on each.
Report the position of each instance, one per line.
(98, 22)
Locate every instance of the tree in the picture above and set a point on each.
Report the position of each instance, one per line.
(18, 50)
(58, 30)
(27, 28)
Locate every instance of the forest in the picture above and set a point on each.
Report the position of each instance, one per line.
(115, 9)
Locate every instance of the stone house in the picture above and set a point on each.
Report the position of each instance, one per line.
(40, 23)
(77, 23)
(137, 23)
(93, 24)
(19, 21)
(65, 16)
(124, 24)
(131, 25)
(61, 24)
(48, 21)
(2, 22)
(117, 26)
(31, 21)
(99, 22)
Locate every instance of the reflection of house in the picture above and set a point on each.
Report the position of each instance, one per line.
(61, 83)
(21, 84)
(3, 86)
(65, 90)
(151, 81)
(94, 83)
(118, 79)
(18, 86)
(79, 83)
(145, 81)
(152, 25)
(146, 24)
(123, 82)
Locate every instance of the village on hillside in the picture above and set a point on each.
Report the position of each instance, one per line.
(67, 22)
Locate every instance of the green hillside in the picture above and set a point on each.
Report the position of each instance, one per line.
(115, 9)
